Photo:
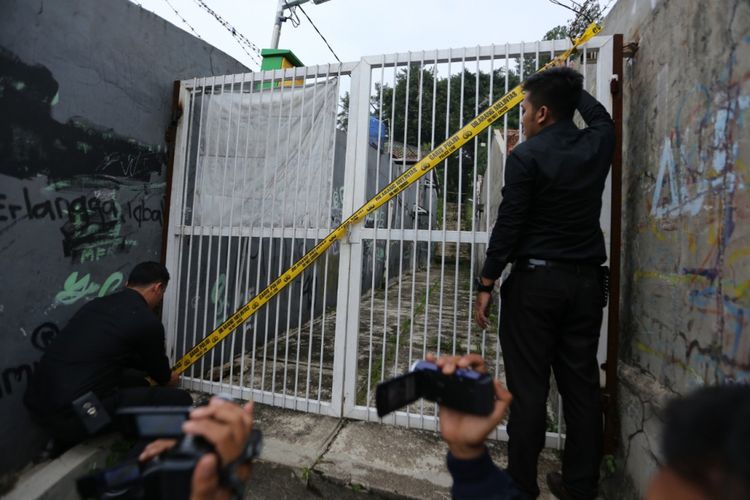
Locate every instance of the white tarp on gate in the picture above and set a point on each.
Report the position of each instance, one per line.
(266, 157)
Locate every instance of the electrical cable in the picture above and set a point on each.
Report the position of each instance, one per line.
(319, 33)
(293, 17)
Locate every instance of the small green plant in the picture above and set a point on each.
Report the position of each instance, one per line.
(610, 465)
(306, 474)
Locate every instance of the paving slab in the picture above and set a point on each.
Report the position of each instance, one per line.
(56, 479)
(292, 438)
(404, 462)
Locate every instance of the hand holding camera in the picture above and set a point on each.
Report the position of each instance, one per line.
(228, 428)
(203, 453)
(472, 404)
(465, 433)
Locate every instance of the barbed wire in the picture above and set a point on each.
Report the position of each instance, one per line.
(183, 19)
(241, 39)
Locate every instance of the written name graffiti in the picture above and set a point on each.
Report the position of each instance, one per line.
(93, 226)
(60, 208)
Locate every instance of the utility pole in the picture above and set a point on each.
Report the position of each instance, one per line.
(285, 4)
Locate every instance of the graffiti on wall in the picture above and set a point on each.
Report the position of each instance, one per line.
(77, 204)
(699, 203)
(17, 376)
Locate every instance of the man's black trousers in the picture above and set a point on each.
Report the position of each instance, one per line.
(550, 319)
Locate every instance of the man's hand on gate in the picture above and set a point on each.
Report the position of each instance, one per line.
(466, 433)
(482, 309)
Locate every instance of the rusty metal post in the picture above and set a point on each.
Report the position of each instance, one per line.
(170, 136)
(611, 423)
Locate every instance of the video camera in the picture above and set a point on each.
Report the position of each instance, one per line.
(466, 390)
(168, 475)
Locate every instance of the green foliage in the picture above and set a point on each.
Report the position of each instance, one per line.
(306, 474)
(456, 103)
(588, 11)
(610, 465)
(342, 118)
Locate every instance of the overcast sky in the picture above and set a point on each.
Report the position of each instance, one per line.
(355, 28)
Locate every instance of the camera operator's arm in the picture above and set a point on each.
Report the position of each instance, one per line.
(474, 474)
(226, 426)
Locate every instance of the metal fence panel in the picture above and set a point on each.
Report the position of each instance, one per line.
(268, 163)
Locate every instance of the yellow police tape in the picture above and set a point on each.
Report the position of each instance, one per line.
(427, 163)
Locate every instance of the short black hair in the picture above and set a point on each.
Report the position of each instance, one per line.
(557, 88)
(706, 440)
(147, 273)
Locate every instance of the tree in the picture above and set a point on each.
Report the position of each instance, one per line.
(586, 11)
(414, 85)
(342, 118)
(452, 110)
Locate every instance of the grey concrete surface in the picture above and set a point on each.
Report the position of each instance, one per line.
(686, 104)
(55, 479)
(307, 456)
(86, 91)
(360, 457)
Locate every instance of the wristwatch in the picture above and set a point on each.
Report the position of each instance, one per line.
(484, 288)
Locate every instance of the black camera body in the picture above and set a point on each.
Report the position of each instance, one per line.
(466, 390)
(165, 476)
(168, 475)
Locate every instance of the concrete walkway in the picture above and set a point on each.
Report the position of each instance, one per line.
(313, 456)
(305, 456)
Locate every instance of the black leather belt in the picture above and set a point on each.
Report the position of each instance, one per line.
(531, 264)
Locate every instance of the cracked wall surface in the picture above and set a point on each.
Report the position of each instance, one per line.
(85, 100)
(686, 160)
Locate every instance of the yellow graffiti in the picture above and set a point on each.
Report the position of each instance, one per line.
(737, 255)
(738, 293)
(668, 358)
(741, 167)
(671, 278)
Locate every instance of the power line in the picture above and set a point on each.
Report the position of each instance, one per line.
(241, 39)
(319, 33)
(183, 19)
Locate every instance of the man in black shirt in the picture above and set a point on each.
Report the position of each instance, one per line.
(548, 227)
(100, 348)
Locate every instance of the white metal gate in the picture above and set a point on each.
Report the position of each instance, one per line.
(264, 173)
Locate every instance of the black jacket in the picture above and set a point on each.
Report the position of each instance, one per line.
(103, 338)
(552, 196)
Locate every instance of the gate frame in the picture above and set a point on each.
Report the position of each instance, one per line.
(343, 389)
(605, 74)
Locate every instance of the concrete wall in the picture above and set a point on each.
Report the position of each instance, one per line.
(85, 100)
(686, 255)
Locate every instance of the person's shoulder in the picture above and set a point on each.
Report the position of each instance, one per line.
(523, 154)
(521, 151)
